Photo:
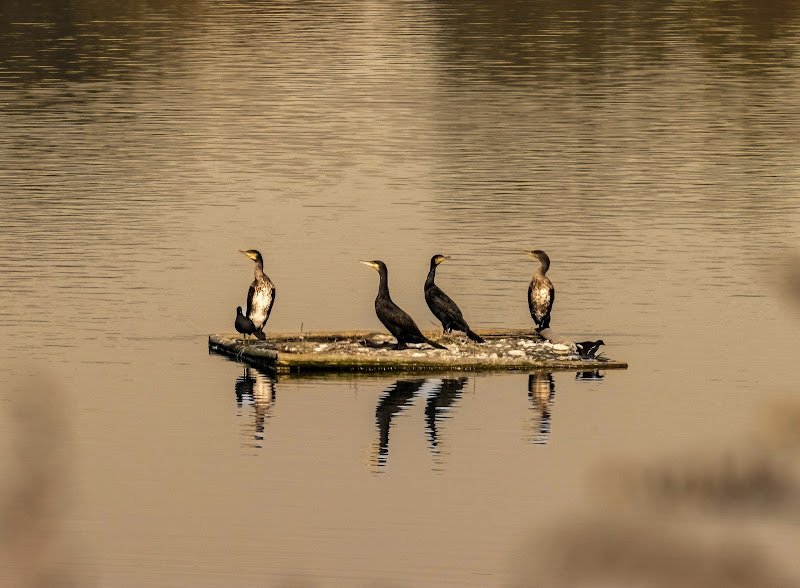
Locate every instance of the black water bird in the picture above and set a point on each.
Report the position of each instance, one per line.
(243, 324)
(541, 292)
(394, 318)
(587, 349)
(442, 306)
(261, 295)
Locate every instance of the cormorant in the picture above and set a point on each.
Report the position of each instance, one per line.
(261, 296)
(587, 349)
(442, 306)
(394, 318)
(243, 324)
(541, 292)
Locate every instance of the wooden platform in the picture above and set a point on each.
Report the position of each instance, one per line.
(359, 351)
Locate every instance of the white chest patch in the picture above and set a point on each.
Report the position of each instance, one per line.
(261, 303)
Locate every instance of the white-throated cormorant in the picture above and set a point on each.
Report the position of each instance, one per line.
(442, 306)
(541, 292)
(261, 296)
(394, 318)
(243, 324)
(587, 349)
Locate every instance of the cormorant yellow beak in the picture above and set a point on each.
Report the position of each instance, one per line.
(529, 253)
(369, 263)
(248, 254)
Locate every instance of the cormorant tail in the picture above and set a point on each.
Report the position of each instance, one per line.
(474, 336)
(434, 344)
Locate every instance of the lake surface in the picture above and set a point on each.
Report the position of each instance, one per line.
(651, 149)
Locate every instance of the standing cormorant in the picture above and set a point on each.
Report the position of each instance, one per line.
(243, 324)
(261, 296)
(587, 349)
(442, 306)
(541, 292)
(394, 318)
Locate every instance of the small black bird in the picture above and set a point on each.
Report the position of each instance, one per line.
(587, 349)
(442, 306)
(541, 293)
(243, 324)
(394, 318)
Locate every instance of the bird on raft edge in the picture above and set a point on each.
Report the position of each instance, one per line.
(587, 349)
(443, 307)
(395, 319)
(243, 325)
(261, 296)
(541, 292)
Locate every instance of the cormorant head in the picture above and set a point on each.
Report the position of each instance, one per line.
(538, 254)
(541, 256)
(437, 259)
(252, 254)
(238, 310)
(376, 265)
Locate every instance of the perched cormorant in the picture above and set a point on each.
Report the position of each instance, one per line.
(587, 349)
(243, 324)
(442, 306)
(541, 292)
(394, 318)
(261, 296)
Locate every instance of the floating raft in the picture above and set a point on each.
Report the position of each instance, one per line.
(358, 351)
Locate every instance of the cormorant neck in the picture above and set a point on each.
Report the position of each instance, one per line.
(383, 288)
(431, 275)
(544, 267)
(259, 270)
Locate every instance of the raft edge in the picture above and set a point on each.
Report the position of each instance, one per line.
(225, 344)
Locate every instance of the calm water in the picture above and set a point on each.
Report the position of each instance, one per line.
(650, 148)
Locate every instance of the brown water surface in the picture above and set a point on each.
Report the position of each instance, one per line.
(650, 148)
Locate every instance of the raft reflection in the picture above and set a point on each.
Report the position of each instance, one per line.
(256, 389)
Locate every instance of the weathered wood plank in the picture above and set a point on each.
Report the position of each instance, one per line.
(361, 351)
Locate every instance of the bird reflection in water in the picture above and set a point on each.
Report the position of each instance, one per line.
(256, 389)
(440, 400)
(441, 394)
(542, 393)
(589, 375)
(394, 401)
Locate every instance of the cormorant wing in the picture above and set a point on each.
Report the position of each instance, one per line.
(271, 304)
(391, 314)
(444, 303)
(250, 293)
